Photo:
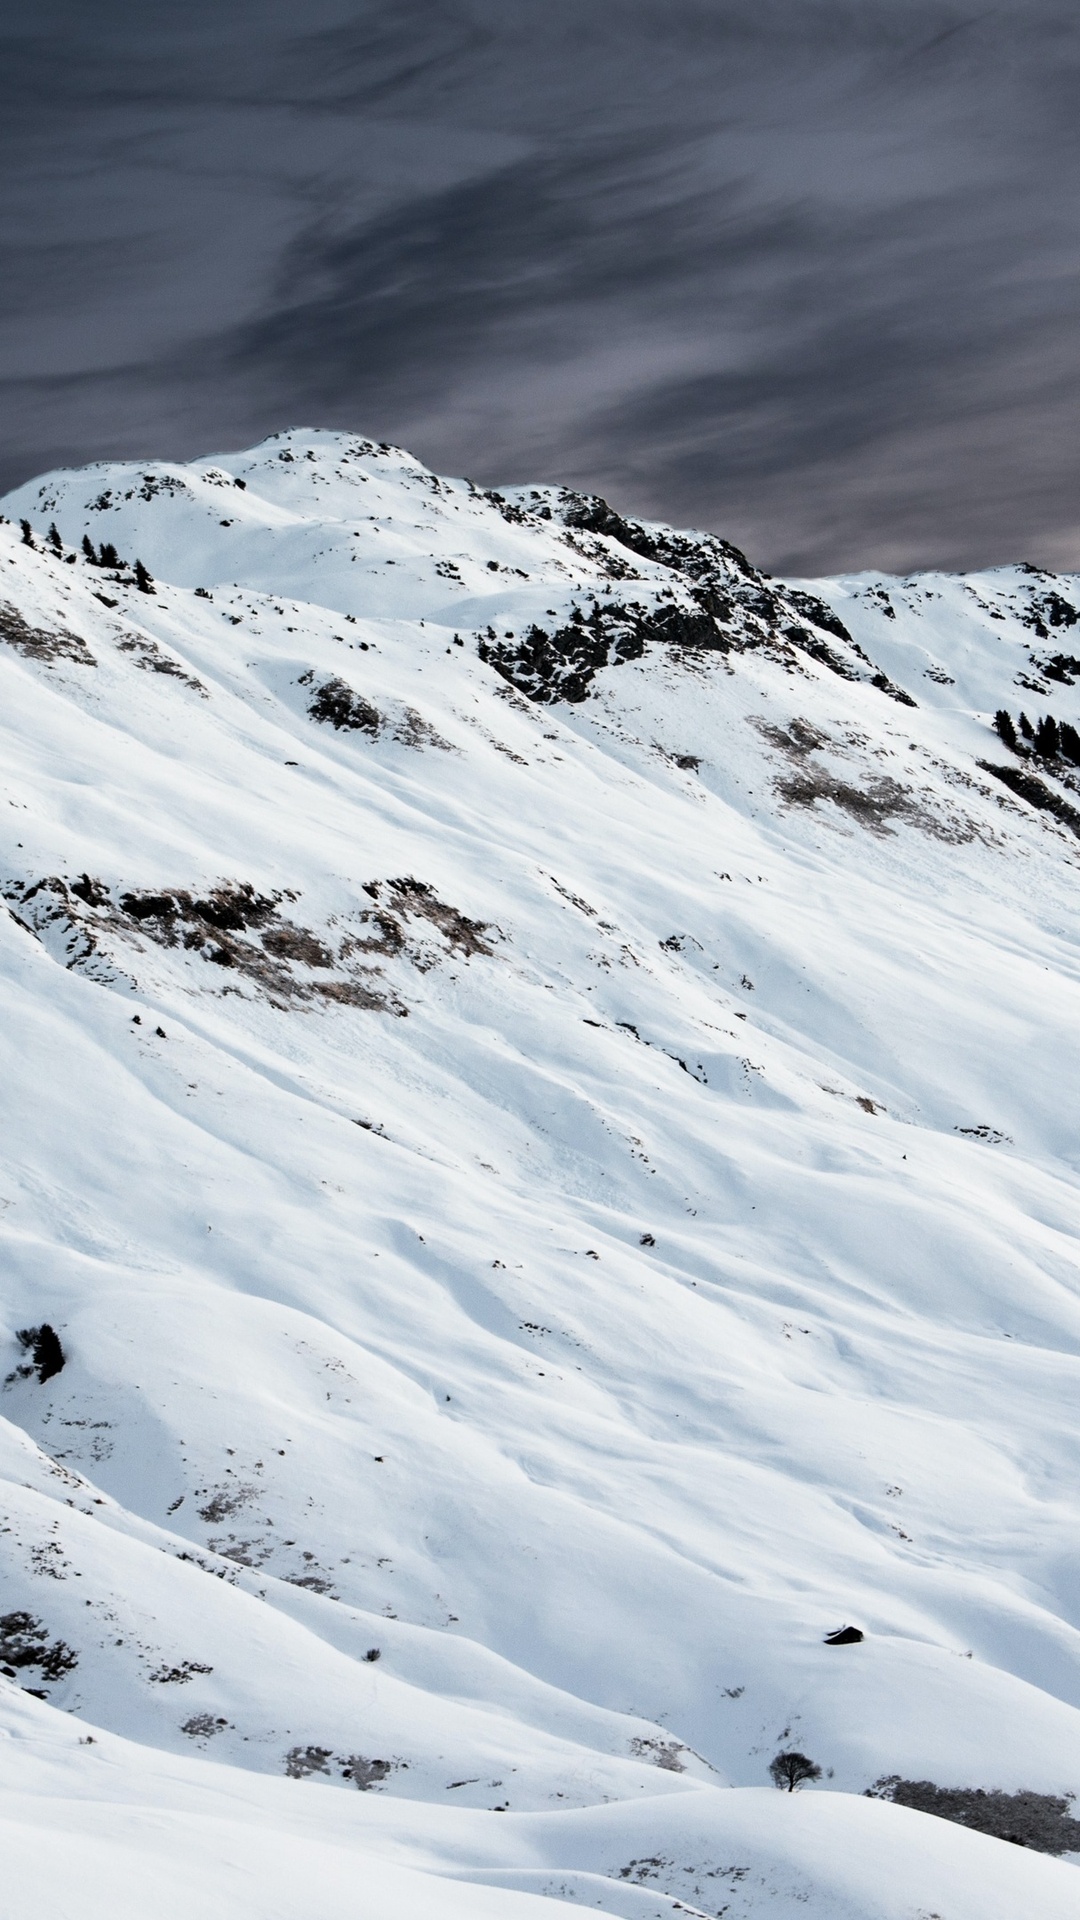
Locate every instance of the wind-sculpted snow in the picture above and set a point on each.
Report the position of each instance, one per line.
(541, 1127)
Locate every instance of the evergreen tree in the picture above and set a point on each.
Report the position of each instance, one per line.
(54, 539)
(1026, 727)
(1046, 738)
(1005, 730)
(88, 550)
(143, 580)
(1069, 742)
(27, 533)
(109, 555)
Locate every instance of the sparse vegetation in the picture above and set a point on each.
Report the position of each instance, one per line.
(24, 1642)
(202, 1726)
(302, 1761)
(666, 1754)
(1038, 1820)
(179, 1675)
(42, 643)
(334, 703)
(365, 1774)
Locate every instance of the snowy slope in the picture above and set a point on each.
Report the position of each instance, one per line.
(539, 1105)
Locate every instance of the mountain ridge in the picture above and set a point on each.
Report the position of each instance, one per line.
(537, 1118)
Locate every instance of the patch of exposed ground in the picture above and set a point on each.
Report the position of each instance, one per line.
(397, 902)
(873, 804)
(25, 1646)
(225, 1501)
(334, 703)
(153, 659)
(42, 643)
(697, 1889)
(666, 1754)
(561, 664)
(179, 1674)
(203, 1726)
(85, 923)
(303, 1762)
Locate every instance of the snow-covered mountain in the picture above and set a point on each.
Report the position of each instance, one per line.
(539, 1068)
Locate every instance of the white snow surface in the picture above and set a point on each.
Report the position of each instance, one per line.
(597, 1214)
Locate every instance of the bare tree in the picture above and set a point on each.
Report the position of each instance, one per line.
(790, 1770)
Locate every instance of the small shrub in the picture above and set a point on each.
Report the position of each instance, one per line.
(366, 1774)
(791, 1770)
(660, 1753)
(24, 1642)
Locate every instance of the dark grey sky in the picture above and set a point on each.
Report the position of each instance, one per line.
(804, 271)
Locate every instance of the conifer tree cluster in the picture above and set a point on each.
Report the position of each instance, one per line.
(107, 556)
(1048, 739)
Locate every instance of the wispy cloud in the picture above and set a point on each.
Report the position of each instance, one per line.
(806, 272)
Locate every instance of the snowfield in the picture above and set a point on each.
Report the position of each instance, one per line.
(539, 1070)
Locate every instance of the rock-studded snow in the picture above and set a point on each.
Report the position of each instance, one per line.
(539, 1071)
